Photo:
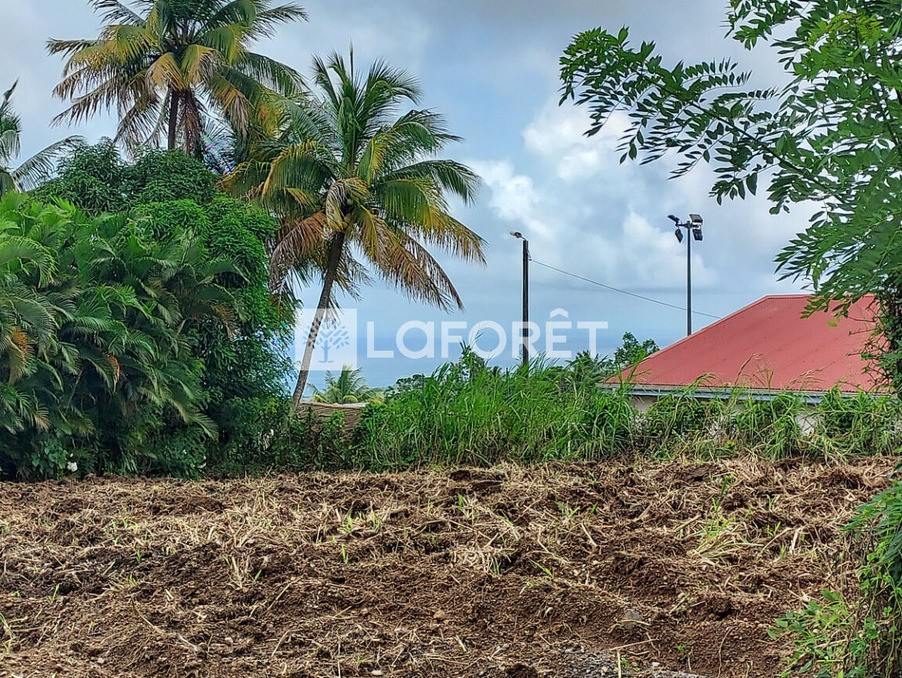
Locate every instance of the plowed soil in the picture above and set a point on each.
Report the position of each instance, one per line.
(608, 569)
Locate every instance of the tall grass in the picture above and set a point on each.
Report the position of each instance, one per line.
(468, 413)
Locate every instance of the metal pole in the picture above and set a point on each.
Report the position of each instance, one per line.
(688, 282)
(524, 331)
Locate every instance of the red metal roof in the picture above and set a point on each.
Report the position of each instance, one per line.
(769, 345)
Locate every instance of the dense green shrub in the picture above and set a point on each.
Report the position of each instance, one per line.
(863, 424)
(770, 427)
(98, 342)
(97, 179)
(468, 413)
(679, 414)
(245, 360)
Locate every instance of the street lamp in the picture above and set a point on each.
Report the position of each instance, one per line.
(693, 226)
(523, 329)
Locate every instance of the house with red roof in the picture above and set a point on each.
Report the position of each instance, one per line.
(767, 347)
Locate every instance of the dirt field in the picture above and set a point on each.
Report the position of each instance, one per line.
(551, 571)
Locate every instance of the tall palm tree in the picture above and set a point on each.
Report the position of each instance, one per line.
(356, 182)
(34, 170)
(168, 65)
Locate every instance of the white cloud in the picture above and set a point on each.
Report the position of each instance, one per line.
(557, 134)
(569, 235)
(514, 197)
(654, 256)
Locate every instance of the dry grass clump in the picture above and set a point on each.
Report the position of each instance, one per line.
(495, 571)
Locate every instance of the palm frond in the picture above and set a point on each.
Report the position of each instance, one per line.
(151, 51)
(267, 20)
(117, 12)
(40, 167)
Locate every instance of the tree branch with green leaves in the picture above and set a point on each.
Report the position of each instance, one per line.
(828, 137)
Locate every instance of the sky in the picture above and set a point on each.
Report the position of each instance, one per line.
(491, 68)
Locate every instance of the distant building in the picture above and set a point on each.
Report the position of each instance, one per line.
(766, 348)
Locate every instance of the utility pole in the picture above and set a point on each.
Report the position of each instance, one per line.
(693, 227)
(524, 332)
(688, 286)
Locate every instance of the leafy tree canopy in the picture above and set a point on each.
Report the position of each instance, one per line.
(98, 180)
(829, 137)
(98, 336)
(589, 370)
(33, 170)
(168, 195)
(347, 387)
(359, 188)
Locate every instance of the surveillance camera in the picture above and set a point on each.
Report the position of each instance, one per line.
(673, 218)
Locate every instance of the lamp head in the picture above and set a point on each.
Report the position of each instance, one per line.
(696, 219)
(517, 235)
(673, 218)
(679, 234)
(696, 233)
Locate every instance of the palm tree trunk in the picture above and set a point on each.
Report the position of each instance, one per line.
(173, 119)
(336, 249)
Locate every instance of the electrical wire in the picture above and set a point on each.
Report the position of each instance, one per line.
(617, 289)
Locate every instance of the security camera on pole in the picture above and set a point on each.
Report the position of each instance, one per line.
(695, 226)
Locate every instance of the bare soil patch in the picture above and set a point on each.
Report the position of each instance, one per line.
(520, 572)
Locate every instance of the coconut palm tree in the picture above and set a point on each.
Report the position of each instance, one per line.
(167, 66)
(347, 388)
(34, 170)
(357, 184)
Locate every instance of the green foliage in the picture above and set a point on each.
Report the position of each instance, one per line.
(632, 352)
(771, 426)
(829, 137)
(360, 190)
(35, 168)
(237, 351)
(467, 413)
(173, 69)
(864, 424)
(586, 369)
(161, 176)
(167, 194)
(857, 636)
(681, 416)
(822, 647)
(346, 388)
(97, 179)
(92, 177)
(98, 328)
(270, 437)
(265, 436)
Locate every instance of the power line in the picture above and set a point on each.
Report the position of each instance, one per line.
(617, 289)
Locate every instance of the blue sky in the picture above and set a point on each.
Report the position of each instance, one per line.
(491, 69)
